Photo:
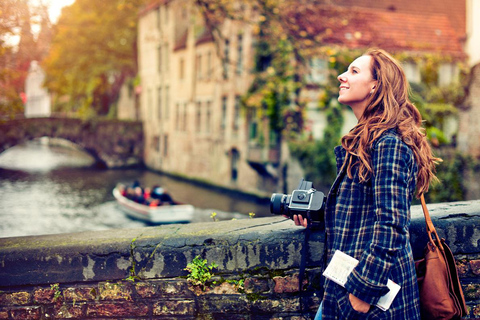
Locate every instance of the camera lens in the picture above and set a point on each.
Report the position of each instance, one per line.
(277, 203)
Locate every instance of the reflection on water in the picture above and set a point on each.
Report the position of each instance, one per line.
(48, 190)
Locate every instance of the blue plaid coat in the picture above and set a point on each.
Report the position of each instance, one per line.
(370, 222)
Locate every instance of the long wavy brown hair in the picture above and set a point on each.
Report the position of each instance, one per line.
(388, 107)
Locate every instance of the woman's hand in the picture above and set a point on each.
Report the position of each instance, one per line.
(300, 221)
(358, 305)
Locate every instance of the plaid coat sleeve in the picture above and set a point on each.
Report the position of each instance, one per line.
(394, 172)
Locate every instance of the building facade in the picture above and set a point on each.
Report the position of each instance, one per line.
(192, 84)
(190, 98)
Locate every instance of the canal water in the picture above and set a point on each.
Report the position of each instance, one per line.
(46, 189)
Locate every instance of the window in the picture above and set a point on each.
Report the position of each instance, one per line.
(318, 72)
(223, 122)
(167, 12)
(156, 143)
(252, 120)
(208, 122)
(239, 54)
(167, 102)
(198, 117)
(185, 116)
(236, 115)
(165, 145)
(447, 73)
(226, 58)
(177, 117)
(167, 57)
(159, 106)
(159, 59)
(182, 68)
(199, 66)
(209, 65)
(412, 72)
(149, 105)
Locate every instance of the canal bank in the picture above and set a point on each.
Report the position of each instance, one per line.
(140, 273)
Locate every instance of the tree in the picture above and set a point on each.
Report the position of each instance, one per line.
(93, 52)
(12, 17)
(18, 48)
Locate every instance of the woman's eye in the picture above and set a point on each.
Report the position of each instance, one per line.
(354, 71)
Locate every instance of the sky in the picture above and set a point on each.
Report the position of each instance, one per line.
(54, 7)
(54, 11)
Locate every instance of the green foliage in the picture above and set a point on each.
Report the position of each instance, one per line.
(200, 272)
(451, 173)
(92, 54)
(238, 284)
(317, 156)
(133, 274)
(57, 293)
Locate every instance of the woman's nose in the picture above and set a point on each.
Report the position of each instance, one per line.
(341, 77)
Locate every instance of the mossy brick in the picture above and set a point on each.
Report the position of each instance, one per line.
(287, 284)
(222, 288)
(3, 314)
(256, 285)
(117, 309)
(80, 294)
(27, 313)
(67, 311)
(476, 311)
(114, 291)
(174, 307)
(146, 289)
(276, 305)
(475, 266)
(15, 298)
(471, 291)
(463, 268)
(223, 304)
(44, 296)
(174, 287)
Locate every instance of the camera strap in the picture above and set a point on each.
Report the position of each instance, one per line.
(303, 263)
(308, 231)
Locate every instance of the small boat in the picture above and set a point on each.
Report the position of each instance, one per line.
(171, 213)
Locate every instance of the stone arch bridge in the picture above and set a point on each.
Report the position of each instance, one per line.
(113, 143)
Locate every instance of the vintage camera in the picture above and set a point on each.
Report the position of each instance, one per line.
(304, 201)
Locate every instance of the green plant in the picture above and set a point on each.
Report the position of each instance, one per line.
(214, 216)
(200, 272)
(251, 215)
(57, 293)
(451, 173)
(238, 284)
(133, 275)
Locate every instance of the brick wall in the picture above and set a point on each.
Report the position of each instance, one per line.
(85, 275)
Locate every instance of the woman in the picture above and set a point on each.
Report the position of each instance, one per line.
(382, 161)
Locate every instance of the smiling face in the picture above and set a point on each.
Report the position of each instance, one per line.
(357, 84)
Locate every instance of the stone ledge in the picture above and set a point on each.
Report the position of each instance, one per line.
(236, 246)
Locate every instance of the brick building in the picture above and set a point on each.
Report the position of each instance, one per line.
(191, 85)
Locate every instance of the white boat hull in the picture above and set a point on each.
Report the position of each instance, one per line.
(155, 215)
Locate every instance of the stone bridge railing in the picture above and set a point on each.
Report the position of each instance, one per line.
(140, 273)
(113, 143)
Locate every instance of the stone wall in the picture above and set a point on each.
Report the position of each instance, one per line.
(140, 273)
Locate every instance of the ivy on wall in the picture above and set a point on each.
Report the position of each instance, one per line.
(436, 103)
(285, 41)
